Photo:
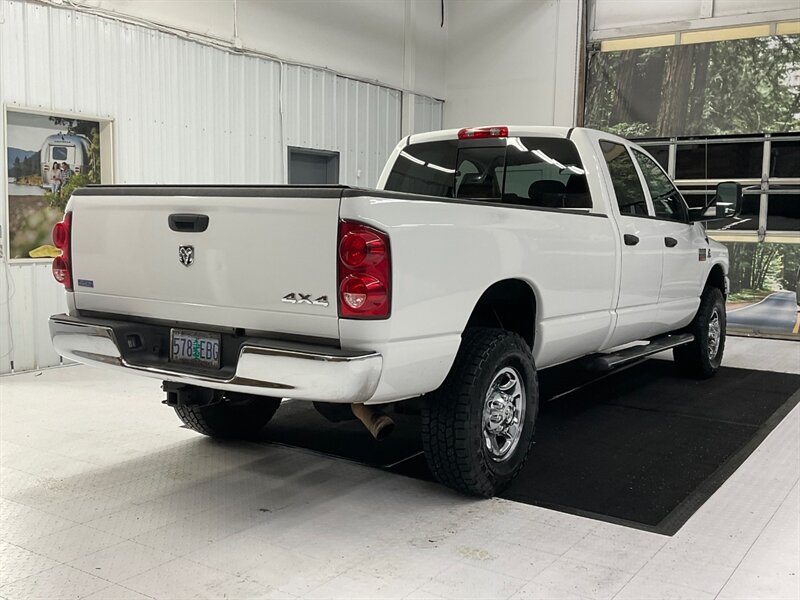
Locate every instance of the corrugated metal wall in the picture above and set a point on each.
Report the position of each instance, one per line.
(183, 112)
(427, 114)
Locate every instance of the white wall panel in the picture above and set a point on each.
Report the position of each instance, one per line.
(427, 114)
(183, 112)
(362, 38)
(625, 18)
(524, 74)
(725, 8)
(624, 13)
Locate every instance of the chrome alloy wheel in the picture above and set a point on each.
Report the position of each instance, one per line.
(503, 414)
(714, 334)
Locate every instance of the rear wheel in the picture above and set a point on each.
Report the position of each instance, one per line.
(703, 357)
(232, 416)
(477, 428)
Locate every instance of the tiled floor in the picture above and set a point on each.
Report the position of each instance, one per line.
(103, 496)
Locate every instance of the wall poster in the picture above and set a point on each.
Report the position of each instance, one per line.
(714, 88)
(48, 156)
(707, 94)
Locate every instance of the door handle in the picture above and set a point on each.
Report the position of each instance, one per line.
(187, 223)
(670, 242)
(630, 239)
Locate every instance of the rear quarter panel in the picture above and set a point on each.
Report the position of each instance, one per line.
(445, 254)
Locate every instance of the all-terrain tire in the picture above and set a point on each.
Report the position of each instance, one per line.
(237, 416)
(703, 357)
(453, 422)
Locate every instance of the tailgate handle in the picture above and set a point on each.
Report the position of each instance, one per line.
(186, 223)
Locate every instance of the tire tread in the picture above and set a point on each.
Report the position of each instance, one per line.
(448, 413)
(243, 419)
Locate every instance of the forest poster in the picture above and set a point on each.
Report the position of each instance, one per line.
(745, 86)
(48, 156)
(763, 293)
(727, 87)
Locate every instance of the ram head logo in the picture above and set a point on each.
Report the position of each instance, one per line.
(186, 255)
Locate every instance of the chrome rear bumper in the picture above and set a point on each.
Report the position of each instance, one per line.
(264, 367)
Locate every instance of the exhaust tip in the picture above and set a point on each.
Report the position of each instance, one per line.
(378, 423)
(384, 426)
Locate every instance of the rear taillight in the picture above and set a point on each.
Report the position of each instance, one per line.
(482, 132)
(364, 272)
(62, 239)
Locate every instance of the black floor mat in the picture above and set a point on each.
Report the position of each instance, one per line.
(644, 447)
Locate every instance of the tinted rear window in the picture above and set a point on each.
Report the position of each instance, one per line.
(427, 169)
(528, 171)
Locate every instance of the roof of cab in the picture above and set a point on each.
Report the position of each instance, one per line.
(513, 131)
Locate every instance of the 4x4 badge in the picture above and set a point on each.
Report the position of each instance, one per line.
(186, 255)
(298, 298)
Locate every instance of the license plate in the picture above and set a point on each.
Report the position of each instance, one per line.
(194, 347)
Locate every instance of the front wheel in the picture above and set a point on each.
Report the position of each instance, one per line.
(703, 357)
(477, 428)
(235, 416)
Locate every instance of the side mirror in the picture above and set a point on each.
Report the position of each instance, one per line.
(728, 200)
(727, 203)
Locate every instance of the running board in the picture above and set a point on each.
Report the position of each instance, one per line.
(606, 362)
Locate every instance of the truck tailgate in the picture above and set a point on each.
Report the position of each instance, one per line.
(260, 245)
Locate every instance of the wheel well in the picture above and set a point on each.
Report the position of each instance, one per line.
(509, 304)
(716, 278)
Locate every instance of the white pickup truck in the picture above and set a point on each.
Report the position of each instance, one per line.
(484, 255)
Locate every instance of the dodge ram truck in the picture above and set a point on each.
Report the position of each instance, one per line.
(483, 255)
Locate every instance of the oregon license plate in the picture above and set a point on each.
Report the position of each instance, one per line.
(194, 347)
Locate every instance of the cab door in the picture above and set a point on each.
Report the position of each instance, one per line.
(640, 243)
(684, 247)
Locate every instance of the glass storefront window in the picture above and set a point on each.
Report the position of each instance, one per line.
(708, 160)
(784, 159)
(783, 210)
(661, 154)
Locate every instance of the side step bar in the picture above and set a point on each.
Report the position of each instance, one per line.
(606, 362)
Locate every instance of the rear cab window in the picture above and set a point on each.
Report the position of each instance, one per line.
(534, 172)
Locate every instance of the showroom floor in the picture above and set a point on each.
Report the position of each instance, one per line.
(104, 496)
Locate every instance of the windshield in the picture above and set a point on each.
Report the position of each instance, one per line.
(529, 171)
